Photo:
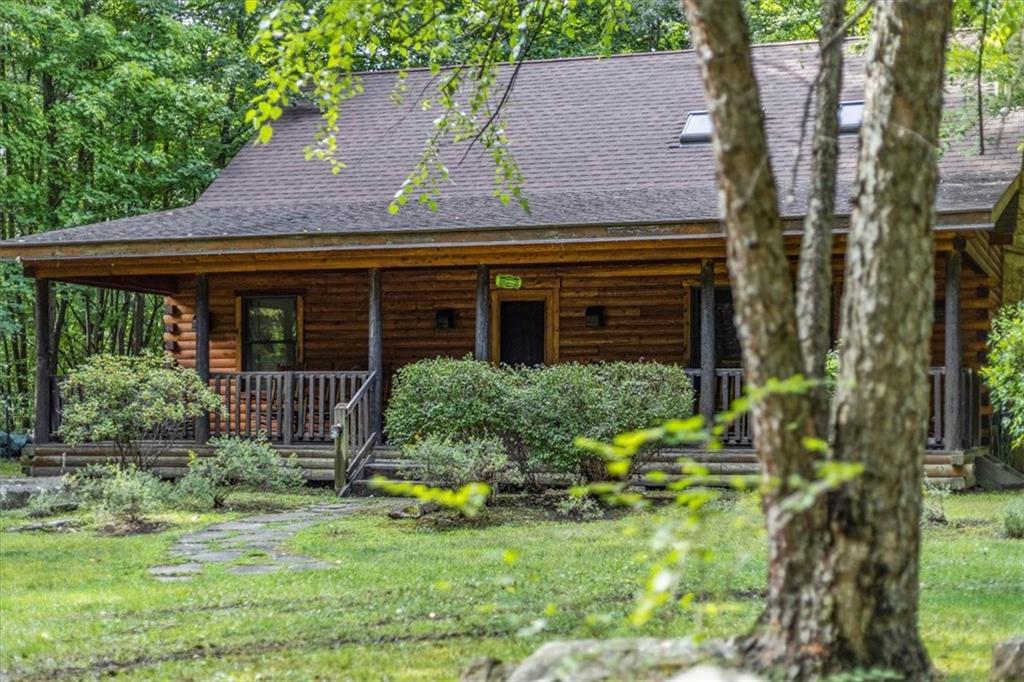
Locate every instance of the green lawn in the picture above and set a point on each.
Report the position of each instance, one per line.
(410, 601)
(10, 467)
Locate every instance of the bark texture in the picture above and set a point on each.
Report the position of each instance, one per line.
(766, 321)
(881, 406)
(843, 575)
(814, 281)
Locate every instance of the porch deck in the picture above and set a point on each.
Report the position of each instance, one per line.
(316, 414)
(952, 470)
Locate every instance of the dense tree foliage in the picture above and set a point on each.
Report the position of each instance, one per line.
(107, 109)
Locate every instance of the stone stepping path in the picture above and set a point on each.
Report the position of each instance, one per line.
(261, 537)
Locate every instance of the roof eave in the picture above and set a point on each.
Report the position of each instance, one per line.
(962, 219)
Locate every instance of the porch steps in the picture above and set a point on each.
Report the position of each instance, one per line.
(996, 475)
(953, 470)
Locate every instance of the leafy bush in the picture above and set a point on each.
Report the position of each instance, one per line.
(456, 463)
(933, 509)
(579, 508)
(535, 413)
(50, 502)
(456, 399)
(128, 494)
(130, 400)
(598, 401)
(238, 463)
(1013, 520)
(1004, 372)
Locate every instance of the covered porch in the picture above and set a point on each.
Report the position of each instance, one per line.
(350, 329)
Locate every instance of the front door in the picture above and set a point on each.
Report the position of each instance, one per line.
(522, 332)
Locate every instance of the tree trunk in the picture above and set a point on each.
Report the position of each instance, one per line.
(766, 322)
(138, 323)
(814, 282)
(881, 406)
(843, 581)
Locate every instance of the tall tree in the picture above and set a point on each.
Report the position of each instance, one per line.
(814, 281)
(108, 109)
(842, 593)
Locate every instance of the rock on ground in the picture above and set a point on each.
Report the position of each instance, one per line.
(639, 659)
(712, 673)
(1008, 661)
(14, 492)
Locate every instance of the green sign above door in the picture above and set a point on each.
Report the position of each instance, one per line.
(508, 282)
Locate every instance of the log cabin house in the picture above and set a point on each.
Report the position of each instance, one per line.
(298, 295)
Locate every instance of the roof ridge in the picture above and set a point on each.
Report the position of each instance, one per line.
(598, 57)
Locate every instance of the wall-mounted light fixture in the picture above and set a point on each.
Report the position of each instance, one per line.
(444, 318)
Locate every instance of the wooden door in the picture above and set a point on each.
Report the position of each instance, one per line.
(522, 333)
(524, 326)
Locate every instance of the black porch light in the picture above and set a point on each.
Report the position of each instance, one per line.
(444, 318)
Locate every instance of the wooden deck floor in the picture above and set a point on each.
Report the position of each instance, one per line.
(953, 470)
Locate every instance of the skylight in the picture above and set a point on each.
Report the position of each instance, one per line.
(697, 127)
(850, 115)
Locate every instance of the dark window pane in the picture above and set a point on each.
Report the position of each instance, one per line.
(270, 328)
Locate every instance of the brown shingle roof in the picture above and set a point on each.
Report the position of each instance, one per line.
(596, 139)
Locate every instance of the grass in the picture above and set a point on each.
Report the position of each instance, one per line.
(10, 467)
(411, 601)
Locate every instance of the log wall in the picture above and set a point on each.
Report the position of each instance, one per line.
(647, 316)
(647, 312)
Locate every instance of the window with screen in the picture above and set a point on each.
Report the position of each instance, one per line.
(270, 332)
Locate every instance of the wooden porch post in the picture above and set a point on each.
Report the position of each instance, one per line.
(376, 355)
(43, 378)
(953, 437)
(201, 324)
(707, 341)
(482, 348)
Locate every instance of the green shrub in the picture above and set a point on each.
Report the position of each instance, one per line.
(50, 502)
(1004, 372)
(933, 504)
(536, 413)
(238, 463)
(127, 494)
(456, 399)
(598, 401)
(131, 400)
(579, 508)
(456, 463)
(1013, 520)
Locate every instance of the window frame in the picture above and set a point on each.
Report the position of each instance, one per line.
(691, 137)
(241, 332)
(850, 127)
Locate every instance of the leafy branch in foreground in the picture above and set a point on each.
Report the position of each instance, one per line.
(319, 53)
(467, 500)
(678, 541)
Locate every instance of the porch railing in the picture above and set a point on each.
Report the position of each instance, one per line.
(289, 407)
(729, 384)
(970, 409)
(354, 436)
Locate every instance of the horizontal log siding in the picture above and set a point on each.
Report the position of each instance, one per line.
(647, 313)
(410, 300)
(645, 318)
(334, 313)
